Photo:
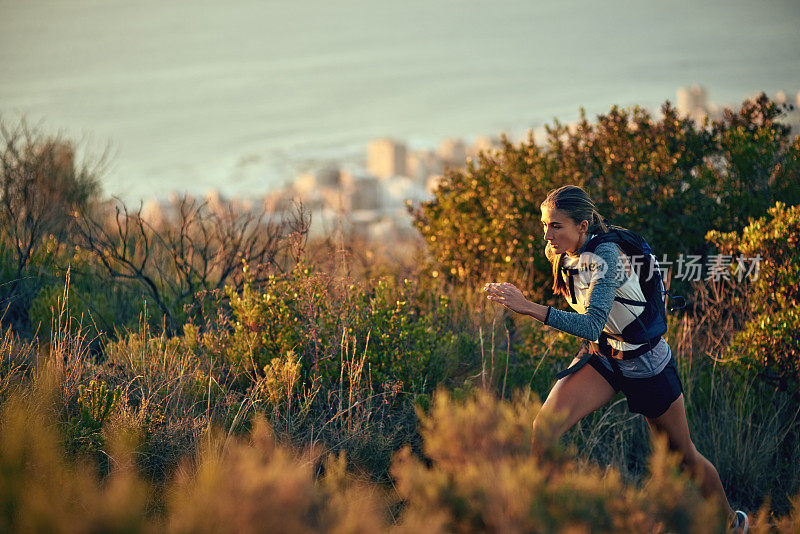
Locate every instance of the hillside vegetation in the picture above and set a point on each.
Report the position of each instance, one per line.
(217, 369)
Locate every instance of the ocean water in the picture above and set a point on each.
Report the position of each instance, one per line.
(241, 95)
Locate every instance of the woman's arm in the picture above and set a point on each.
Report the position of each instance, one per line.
(586, 325)
(512, 298)
(602, 288)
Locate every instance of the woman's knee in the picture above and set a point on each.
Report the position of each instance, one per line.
(571, 399)
(560, 409)
(690, 458)
(550, 423)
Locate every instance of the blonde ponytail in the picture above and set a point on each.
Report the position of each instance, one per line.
(598, 225)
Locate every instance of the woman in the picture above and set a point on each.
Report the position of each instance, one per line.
(604, 290)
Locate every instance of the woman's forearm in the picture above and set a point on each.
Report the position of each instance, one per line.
(537, 311)
(512, 298)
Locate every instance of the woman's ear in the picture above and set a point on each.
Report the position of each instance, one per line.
(584, 226)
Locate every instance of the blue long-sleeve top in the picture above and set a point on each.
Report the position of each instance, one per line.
(602, 287)
(588, 325)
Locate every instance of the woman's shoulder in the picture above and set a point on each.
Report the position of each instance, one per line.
(606, 250)
(608, 254)
(607, 247)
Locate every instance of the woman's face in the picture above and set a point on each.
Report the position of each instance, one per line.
(561, 231)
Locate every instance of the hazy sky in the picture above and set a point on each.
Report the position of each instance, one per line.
(237, 95)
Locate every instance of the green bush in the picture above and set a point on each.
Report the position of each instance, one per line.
(95, 404)
(411, 341)
(82, 309)
(42, 184)
(92, 302)
(665, 178)
(391, 331)
(291, 313)
(770, 343)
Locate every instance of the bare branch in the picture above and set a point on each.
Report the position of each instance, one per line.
(199, 247)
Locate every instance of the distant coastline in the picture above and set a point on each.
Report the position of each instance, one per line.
(278, 91)
(369, 192)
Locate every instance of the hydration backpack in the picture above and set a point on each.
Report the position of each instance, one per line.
(648, 327)
(651, 323)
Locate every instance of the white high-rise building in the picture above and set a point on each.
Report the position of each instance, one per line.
(483, 143)
(693, 103)
(386, 158)
(359, 191)
(453, 152)
(421, 164)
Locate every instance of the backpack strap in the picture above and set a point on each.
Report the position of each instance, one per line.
(611, 353)
(583, 360)
(630, 301)
(651, 323)
(570, 274)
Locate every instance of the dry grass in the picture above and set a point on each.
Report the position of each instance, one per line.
(190, 416)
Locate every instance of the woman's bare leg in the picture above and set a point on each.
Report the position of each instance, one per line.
(571, 399)
(673, 424)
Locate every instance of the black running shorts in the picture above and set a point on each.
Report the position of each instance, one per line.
(648, 396)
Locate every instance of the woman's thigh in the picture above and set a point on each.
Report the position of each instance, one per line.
(571, 399)
(673, 423)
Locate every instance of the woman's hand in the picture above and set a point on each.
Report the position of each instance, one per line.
(509, 296)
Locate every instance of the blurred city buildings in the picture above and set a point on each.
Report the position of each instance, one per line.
(372, 200)
(693, 102)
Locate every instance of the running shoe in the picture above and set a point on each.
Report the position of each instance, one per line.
(740, 522)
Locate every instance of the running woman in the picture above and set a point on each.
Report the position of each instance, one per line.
(606, 294)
